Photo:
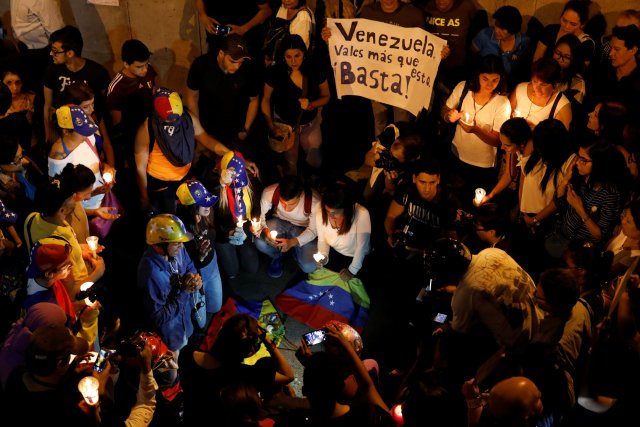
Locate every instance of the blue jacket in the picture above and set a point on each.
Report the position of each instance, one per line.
(168, 308)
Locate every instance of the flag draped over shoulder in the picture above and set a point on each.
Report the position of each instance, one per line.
(264, 311)
(323, 297)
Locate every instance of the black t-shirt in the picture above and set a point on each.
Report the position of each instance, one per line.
(427, 220)
(236, 12)
(202, 386)
(58, 77)
(223, 98)
(361, 413)
(286, 95)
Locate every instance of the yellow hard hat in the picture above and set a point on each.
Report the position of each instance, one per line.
(166, 228)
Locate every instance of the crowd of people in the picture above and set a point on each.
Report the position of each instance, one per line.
(497, 233)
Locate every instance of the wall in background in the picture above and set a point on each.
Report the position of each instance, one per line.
(171, 28)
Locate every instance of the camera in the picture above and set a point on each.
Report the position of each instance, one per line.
(222, 29)
(387, 161)
(314, 337)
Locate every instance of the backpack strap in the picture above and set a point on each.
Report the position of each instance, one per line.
(465, 90)
(555, 104)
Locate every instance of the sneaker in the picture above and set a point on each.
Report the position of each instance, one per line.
(276, 267)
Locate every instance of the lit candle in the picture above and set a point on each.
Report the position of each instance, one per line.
(517, 113)
(480, 193)
(108, 177)
(255, 223)
(396, 414)
(467, 117)
(92, 241)
(318, 257)
(85, 286)
(240, 222)
(273, 234)
(88, 386)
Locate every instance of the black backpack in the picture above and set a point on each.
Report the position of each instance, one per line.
(277, 29)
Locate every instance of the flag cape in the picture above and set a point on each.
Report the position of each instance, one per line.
(264, 311)
(323, 297)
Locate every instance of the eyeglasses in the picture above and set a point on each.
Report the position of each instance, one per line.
(584, 160)
(57, 52)
(561, 57)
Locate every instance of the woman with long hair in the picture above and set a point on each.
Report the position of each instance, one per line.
(195, 211)
(482, 111)
(567, 54)
(591, 194)
(293, 94)
(344, 231)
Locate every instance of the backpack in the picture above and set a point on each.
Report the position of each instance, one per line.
(275, 199)
(277, 30)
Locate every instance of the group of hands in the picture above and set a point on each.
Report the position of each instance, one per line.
(191, 282)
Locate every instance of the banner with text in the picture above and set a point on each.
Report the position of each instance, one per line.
(384, 62)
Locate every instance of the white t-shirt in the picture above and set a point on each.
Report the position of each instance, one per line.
(296, 216)
(33, 21)
(301, 24)
(468, 147)
(534, 113)
(533, 199)
(354, 244)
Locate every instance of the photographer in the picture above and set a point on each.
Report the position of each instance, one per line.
(422, 210)
(168, 281)
(396, 147)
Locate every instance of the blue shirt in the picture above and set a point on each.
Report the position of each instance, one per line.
(485, 42)
(168, 307)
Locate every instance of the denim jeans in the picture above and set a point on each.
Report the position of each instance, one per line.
(212, 285)
(233, 257)
(302, 254)
(310, 140)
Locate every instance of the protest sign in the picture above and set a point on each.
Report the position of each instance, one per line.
(384, 62)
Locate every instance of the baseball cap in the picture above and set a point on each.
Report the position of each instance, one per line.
(54, 342)
(235, 46)
(193, 192)
(167, 104)
(73, 117)
(48, 254)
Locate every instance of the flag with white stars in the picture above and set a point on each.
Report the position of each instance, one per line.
(324, 297)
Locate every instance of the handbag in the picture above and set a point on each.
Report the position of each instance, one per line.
(447, 130)
(101, 227)
(285, 143)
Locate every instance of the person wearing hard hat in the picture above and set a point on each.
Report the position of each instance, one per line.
(168, 281)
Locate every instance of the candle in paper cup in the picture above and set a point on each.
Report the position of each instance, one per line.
(88, 386)
(273, 234)
(480, 193)
(92, 241)
(107, 177)
(240, 222)
(318, 257)
(466, 117)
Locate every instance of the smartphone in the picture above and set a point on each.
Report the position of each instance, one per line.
(314, 337)
(440, 318)
(222, 29)
(101, 360)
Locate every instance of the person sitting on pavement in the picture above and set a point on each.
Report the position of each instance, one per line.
(291, 207)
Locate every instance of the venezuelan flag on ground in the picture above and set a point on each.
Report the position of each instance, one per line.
(323, 297)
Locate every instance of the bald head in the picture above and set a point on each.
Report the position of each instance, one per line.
(515, 400)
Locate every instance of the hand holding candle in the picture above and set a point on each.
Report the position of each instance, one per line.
(85, 287)
(107, 177)
(240, 222)
(256, 227)
(480, 193)
(466, 118)
(88, 386)
(92, 241)
(273, 234)
(319, 258)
